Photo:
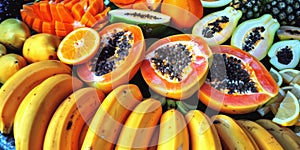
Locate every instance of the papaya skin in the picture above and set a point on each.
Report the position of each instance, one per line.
(184, 13)
(240, 103)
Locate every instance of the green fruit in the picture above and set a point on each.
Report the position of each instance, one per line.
(152, 23)
(288, 33)
(250, 8)
(287, 12)
(214, 3)
(217, 27)
(285, 54)
(255, 36)
(13, 33)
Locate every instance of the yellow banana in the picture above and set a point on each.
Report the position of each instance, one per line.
(37, 108)
(69, 118)
(288, 140)
(83, 133)
(264, 139)
(232, 136)
(107, 122)
(203, 134)
(139, 125)
(154, 139)
(173, 132)
(18, 86)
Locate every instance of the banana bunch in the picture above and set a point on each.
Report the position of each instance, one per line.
(14, 90)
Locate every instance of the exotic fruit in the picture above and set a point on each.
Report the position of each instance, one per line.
(285, 54)
(217, 27)
(152, 23)
(250, 8)
(176, 66)
(237, 83)
(214, 3)
(287, 12)
(60, 17)
(288, 33)
(255, 36)
(184, 13)
(137, 4)
(118, 59)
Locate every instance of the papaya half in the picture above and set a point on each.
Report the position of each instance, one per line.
(118, 59)
(176, 66)
(237, 82)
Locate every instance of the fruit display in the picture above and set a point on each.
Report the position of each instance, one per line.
(149, 74)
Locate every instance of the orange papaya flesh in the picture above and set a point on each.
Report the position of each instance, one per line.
(248, 100)
(37, 25)
(64, 14)
(180, 83)
(108, 79)
(77, 11)
(45, 11)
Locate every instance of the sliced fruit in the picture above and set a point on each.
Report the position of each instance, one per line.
(288, 111)
(118, 59)
(184, 13)
(79, 46)
(214, 3)
(152, 23)
(285, 54)
(276, 75)
(217, 27)
(274, 104)
(296, 80)
(288, 74)
(237, 83)
(176, 66)
(255, 36)
(296, 90)
(288, 33)
(135, 16)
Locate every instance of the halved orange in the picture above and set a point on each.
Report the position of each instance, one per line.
(79, 46)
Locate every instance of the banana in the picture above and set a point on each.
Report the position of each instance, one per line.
(173, 132)
(264, 139)
(203, 134)
(83, 133)
(154, 139)
(37, 108)
(232, 136)
(140, 124)
(18, 86)
(288, 140)
(110, 117)
(69, 118)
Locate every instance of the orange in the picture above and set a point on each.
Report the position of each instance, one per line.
(79, 46)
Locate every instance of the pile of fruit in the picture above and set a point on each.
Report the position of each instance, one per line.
(150, 74)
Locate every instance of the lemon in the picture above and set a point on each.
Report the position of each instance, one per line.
(296, 79)
(276, 76)
(288, 74)
(296, 90)
(288, 111)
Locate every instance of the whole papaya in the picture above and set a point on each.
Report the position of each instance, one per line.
(184, 13)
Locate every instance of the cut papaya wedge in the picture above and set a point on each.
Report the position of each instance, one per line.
(28, 17)
(63, 26)
(45, 10)
(77, 11)
(48, 27)
(54, 13)
(86, 18)
(64, 14)
(101, 17)
(70, 3)
(37, 24)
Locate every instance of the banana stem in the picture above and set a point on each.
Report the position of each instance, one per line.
(183, 109)
(171, 104)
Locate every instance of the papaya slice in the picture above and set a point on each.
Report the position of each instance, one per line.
(63, 26)
(37, 24)
(28, 16)
(87, 17)
(237, 82)
(54, 13)
(70, 3)
(176, 66)
(95, 7)
(48, 27)
(112, 65)
(101, 17)
(45, 10)
(77, 11)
